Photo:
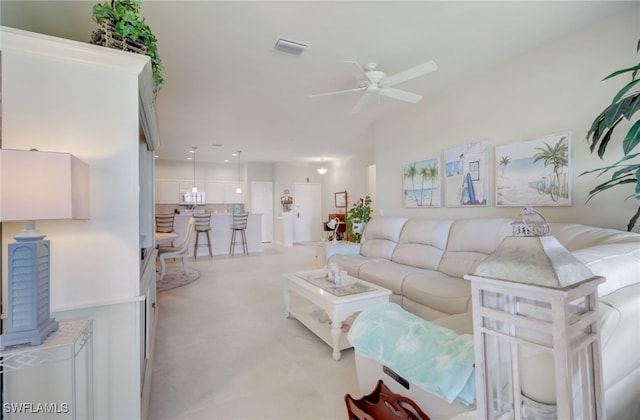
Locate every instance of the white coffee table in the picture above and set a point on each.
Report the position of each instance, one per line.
(339, 302)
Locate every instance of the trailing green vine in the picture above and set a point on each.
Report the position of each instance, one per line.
(124, 19)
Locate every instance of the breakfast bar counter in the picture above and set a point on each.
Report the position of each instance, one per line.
(220, 234)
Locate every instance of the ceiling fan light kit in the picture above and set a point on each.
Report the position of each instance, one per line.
(377, 82)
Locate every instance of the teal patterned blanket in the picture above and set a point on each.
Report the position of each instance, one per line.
(432, 357)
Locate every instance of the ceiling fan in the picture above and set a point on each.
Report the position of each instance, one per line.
(377, 82)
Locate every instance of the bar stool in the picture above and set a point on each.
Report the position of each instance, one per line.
(239, 225)
(202, 225)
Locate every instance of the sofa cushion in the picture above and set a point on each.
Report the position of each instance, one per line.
(439, 291)
(460, 323)
(422, 243)
(470, 242)
(620, 314)
(381, 236)
(605, 251)
(386, 274)
(350, 263)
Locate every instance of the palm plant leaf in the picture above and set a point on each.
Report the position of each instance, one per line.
(614, 165)
(625, 89)
(616, 73)
(632, 139)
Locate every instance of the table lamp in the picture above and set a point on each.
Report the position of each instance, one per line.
(34, 186)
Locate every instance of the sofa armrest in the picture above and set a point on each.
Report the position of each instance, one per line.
(345, 248)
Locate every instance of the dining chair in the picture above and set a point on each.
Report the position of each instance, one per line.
(164, 223)
(179, 251)
(239, 225)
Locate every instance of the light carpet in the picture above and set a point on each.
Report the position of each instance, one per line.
(176, 277)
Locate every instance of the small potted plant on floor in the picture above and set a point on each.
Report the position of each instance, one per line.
(357, 218)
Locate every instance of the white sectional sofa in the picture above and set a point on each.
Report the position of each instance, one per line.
(423, 261)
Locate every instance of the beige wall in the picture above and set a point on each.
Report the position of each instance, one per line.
(553, 89)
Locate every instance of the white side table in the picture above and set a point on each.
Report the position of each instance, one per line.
(35, 377)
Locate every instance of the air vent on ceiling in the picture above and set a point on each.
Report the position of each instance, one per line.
(288, 46)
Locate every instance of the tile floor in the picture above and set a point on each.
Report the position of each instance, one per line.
(225, 350)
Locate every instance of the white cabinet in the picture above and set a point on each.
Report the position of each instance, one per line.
(82, 89)
(167, 191)
(215, 192)
(187, 185)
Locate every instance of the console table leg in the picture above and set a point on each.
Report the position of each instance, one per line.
(336, 333)
(287, 302)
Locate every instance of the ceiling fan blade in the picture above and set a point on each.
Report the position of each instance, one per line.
(338, 92)
(411, 73)
(361, 102)
(359, 68)
(400, 94)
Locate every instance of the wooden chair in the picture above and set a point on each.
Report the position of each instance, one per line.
(202, 226)
(239, 225)
(179, 251)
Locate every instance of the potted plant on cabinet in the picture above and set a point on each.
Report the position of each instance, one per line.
(357, 218)
(122, 27)
(626, 170)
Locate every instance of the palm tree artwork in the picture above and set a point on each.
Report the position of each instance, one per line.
(538, 172)
(504, 162)
(430, 173)
(556, 156)
(421, 183)
(411, 172)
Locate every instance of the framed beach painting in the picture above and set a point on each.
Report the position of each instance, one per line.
(466, 175)
(421, 183)
(535, 172)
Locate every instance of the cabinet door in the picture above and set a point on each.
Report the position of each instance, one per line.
(186, 185)
(230, 194)
(167, 191)
(215, 192)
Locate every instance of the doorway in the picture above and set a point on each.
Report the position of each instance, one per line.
(262, 202)
(307, 216)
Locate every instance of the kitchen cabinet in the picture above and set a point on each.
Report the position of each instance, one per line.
(167, 191)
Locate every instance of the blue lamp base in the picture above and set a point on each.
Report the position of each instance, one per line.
(33, 337)
(28, 315)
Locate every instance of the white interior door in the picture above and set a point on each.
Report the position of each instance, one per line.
(262, 202)
(307, 216)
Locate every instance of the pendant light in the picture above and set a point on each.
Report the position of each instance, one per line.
(239, 190)
(322, 170)
(193, 150)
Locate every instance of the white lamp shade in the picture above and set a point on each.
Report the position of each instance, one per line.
(38, 185)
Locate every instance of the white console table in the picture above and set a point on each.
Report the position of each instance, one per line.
(54, 379)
